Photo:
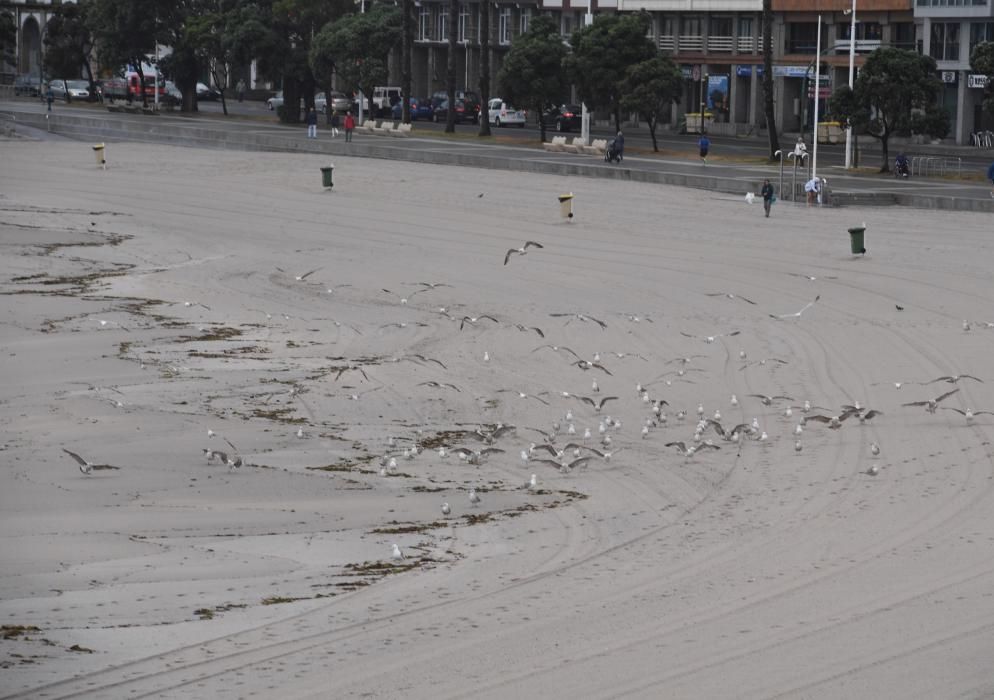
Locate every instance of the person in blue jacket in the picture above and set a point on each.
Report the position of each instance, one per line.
(704, 143)
(990, 176)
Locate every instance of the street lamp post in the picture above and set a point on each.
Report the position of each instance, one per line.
(852, 66)
(588, 19)
(814, 156)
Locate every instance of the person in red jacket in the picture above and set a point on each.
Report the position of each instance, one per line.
(349, 126)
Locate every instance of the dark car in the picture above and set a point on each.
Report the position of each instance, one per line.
(464, 112)
(471, 103)
(27, 85)
(420, 109)
(563, 117)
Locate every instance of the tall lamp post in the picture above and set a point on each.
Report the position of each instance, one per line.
(588, 19)
(852, 66)
(814, 156)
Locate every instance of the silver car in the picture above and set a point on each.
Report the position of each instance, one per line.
(74, 89)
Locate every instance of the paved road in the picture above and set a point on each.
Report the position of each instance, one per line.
(734, 158)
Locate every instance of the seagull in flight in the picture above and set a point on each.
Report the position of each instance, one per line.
(522, 395)
(709, 338)
(810, 278)
(301, 278)
(522, 250)
(730, 296)
(87, 467)
(768, 400)
(580, 317)
(798, 314)
(689, 451)
(585, 365)
(954, 378)
(473, 320)
(598, 405)
(525, 329)
(931, 404)
(968, 413)
(440, 385)
(415, 356)
(557, 348)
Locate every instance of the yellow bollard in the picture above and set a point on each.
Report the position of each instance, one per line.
(566, 206)
(98, 151)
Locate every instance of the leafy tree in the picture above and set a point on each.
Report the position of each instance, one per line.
(407, 39)
(68, 43)
(8, 37)
(126, 31)
(649, 88)
(982, 61)
(769, 107)
(602, 54)
(485, 68)
(896, 92)
(357, 47)
(532, 73)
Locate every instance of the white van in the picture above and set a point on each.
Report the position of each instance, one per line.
(384, 99)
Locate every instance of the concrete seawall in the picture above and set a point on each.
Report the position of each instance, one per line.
(171, 130)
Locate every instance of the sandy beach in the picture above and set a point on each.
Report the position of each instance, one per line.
(363, 355)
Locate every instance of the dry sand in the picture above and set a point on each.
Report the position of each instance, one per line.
(747, 572)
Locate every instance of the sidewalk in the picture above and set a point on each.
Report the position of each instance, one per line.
(430, 147)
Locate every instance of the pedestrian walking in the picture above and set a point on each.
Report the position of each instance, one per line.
(241, 89)
(704, 144)
(334, 123)
(312, 123)
(990, 176)
(49, 97)
(349, 126)
(768, 197)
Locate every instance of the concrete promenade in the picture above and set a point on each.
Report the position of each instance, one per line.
(503, 153)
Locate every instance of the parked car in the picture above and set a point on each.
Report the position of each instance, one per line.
(276, 101)
(384, 98)
(320, 102)
(470, 99)
(340, 102)
(500, 113)
(173, 94)
(564, 117)
(464, 112)
(205, 92)
(74, 89)
(29, 85)
(420, 109)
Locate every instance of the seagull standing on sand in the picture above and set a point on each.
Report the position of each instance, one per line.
(474, 498)
(396, 555)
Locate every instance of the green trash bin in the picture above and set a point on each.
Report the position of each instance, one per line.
(856, 239)
(326, 176)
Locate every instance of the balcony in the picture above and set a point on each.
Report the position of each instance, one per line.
(745, 44)
(720, 44)
(667, 42)
(862, 45)
(692, 43)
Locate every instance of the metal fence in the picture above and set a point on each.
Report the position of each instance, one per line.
(982, 139)
(923, 166)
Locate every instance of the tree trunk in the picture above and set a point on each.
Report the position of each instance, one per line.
(407, 42)
(485, 67)
(541, 125)
(652, 122)
(885, 163)
(450, 77)
(768, 105)
(141, 81)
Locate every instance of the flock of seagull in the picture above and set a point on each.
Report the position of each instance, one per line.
(597, 442)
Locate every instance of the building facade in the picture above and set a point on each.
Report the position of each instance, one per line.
(30, 18)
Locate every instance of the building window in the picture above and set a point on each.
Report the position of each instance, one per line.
(745, 27)
(979, 33)
(566, 26)
(463, 23)
(424, 23)
(902, 35)
(801, 37)
(865, 31)
(691, 34)
(526, 16)
(442, 23)
(945, 41)
(504, 26)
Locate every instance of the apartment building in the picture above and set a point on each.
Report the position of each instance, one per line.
(950, 29)
(30, 18)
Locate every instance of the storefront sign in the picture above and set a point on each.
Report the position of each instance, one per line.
(718, 92)
(976, 80)
(791, 71)
(949, 76)
(746, 71)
